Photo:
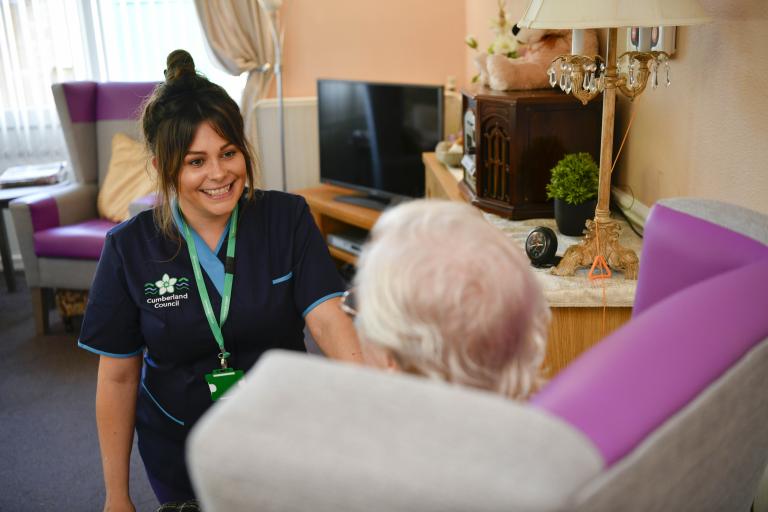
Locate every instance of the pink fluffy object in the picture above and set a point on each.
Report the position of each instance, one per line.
(529, 70)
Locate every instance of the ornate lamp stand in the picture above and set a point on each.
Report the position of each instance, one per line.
(586, 77)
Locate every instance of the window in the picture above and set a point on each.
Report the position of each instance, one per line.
(133, 38)
(48, 41)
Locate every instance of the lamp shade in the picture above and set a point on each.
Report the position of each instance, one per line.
(569, 14)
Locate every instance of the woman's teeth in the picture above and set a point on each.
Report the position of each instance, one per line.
(213, 192)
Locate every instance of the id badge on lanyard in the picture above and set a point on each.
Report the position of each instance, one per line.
(219, 381)
(222, 379)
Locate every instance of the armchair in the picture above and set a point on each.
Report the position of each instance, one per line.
(60, 233)
(667, 413)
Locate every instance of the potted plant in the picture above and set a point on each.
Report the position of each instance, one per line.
(573, 186)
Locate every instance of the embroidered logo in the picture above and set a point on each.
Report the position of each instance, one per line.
(167, 291)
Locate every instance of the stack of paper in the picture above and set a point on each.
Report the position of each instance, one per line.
(30, 175)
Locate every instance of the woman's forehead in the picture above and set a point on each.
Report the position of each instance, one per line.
(207, 138)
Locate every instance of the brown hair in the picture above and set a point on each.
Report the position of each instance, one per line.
(170, 118)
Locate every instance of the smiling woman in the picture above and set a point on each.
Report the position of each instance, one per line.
(211, 181)
(165, 295)
(195, 132)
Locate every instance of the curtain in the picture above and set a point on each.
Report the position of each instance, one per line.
(48, 41)
(40, 43)
(132, 40)
(239, 35)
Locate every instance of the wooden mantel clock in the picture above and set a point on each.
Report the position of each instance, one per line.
(513, 139)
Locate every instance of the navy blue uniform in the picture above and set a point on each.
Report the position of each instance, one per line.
(144, 300)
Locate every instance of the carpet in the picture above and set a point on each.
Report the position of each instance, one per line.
(48, 443)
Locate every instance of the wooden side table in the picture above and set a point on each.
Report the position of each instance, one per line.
(579, 319)
(439, 181)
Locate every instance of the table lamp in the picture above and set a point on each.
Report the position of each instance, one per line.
(586, 76)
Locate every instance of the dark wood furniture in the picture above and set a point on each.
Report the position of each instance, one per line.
(513, 139)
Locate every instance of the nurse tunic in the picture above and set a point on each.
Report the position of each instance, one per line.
(144, 300)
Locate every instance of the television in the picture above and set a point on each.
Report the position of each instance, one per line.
(372, 136)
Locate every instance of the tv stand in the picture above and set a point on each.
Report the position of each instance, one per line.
(373, 202)
(335, 216)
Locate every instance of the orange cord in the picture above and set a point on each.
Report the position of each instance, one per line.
(600, 269)
(626, 133)
(605, 308)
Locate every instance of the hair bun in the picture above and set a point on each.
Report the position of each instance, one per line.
(179, 63)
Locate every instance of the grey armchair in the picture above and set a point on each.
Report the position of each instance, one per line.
(667, 413)
(60, 233)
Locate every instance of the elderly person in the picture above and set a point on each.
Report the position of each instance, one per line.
(443, 294)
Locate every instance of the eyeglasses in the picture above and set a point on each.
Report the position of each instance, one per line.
(349, 303)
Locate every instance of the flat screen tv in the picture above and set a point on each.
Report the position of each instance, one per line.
(372, 136)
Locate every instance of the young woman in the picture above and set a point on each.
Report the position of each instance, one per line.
(188, 296)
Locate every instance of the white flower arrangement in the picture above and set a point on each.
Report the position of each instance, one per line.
(504, 43)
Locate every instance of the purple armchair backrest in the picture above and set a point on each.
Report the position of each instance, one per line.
(680, 250)
(703, 307)
(90, 114)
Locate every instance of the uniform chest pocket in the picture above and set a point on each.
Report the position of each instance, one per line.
(282, 279)
(281, 297)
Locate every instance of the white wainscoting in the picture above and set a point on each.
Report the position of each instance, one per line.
(302, 154)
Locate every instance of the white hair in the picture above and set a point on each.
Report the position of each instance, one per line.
(451, 297)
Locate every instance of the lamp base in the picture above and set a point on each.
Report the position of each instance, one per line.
(583, 255)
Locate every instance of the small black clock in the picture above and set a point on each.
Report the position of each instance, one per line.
(541, 246)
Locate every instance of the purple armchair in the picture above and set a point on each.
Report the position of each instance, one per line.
(669, 412)
(60, 234)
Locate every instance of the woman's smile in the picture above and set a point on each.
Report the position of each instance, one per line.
(218, 193)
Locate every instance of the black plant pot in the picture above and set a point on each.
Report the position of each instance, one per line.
(571, 218)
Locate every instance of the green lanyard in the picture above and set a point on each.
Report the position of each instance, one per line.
(228, 277)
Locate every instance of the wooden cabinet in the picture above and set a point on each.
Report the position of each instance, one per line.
(333, 216)
(513, 139)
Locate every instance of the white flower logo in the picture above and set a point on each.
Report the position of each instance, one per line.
(166, 284)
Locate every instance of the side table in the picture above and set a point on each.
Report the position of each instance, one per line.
(6, 196)
(579, 318)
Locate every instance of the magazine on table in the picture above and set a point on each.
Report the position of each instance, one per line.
(32, 175)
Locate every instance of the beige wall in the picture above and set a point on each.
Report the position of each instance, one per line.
(707, 134)
(389, 40)
(409, 41)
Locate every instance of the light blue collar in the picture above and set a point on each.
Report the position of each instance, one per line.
(211, 264)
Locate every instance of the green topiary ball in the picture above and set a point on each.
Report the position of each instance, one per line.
(574, 179)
